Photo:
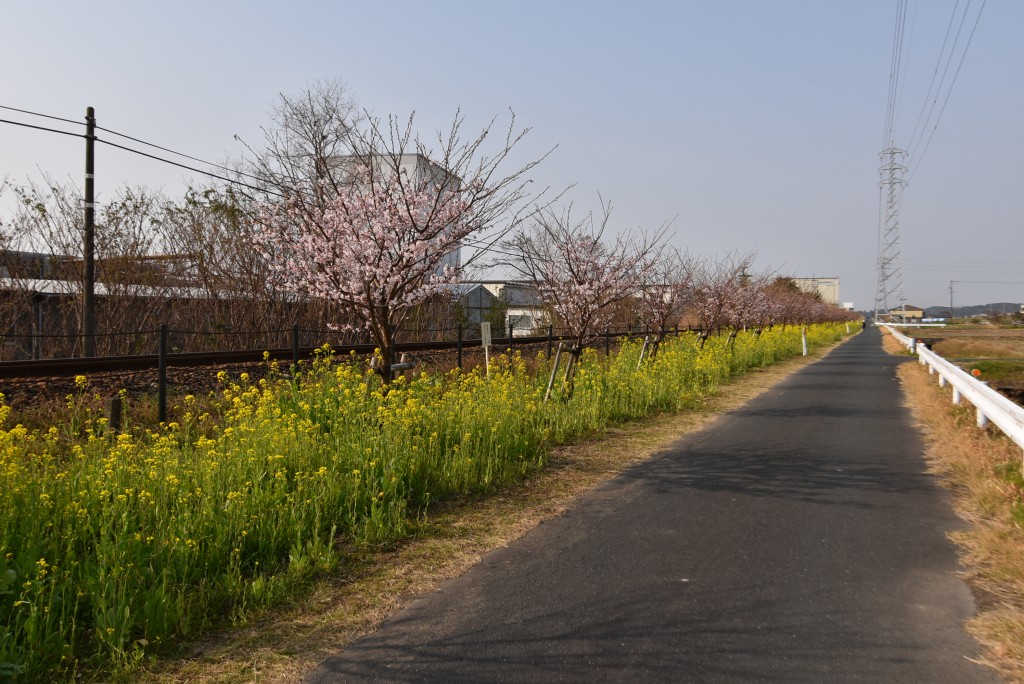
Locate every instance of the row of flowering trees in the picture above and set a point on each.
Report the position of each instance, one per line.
(376, 241)
(365, 222)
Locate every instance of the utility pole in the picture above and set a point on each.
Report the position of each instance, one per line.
(951, 300)
(88, 260)
(890, 260)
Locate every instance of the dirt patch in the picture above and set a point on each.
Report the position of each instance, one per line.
(1013, 391)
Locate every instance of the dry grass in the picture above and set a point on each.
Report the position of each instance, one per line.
(975, 348)
(974, 341)
(282, 646)
(982, 468)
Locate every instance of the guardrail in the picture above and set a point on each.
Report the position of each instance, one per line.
(989, 404)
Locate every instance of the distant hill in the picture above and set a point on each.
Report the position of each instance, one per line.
(968, 311)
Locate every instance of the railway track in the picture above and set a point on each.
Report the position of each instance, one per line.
(36, 368)
(65, 367)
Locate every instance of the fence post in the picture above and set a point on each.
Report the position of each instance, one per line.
(295, 344)
(551, 332)
(114, 413)
(511, 328)
(554, 369)
(607, 342)
(458, 347)
(162, 370)
(37, 352)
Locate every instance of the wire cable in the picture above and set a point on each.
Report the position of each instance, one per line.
(139, 152)
(894, 71)
(938, 63)
(180, 154)
(45, 116)
(190, 168)
(948, 93)
(916, 142)
(42, 128)
(479, 245)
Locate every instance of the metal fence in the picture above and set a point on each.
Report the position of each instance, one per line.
(170, 348)
(991, 406)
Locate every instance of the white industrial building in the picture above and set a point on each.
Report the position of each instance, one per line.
(826, 288)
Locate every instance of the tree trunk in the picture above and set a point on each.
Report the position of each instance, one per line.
(385, 337)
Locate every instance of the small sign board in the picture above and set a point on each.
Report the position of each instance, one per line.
(485, 333)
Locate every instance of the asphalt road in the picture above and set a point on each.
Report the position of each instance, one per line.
(797, 539)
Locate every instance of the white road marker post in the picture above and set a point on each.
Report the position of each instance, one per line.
(803, 338)
(485, 339)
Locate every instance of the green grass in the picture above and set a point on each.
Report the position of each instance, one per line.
(998, 370)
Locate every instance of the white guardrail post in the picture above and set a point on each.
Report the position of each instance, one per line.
(990, 404)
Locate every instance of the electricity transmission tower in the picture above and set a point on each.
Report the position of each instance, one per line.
(890, 259)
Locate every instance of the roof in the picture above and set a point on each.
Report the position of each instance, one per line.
(73, 288)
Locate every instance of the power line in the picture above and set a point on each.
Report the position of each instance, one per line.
(950, 91)
(895, 65)
(915, 143)
(139, 152)
(45, 116)
(480, 245)
(190, 168)
(180, 154)
(938, 63)
(992, 282)
(993, 263)
(42, 128)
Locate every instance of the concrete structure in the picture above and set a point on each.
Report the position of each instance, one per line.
(524, 309)
(476, 303)
(827, 288)
(501, 302)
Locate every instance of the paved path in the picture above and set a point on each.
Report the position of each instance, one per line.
(796, 539)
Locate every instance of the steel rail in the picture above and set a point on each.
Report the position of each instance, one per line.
(37, 368)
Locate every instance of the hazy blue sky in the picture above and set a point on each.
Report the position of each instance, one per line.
(756, 123)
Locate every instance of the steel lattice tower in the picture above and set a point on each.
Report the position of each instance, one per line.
(890, 258)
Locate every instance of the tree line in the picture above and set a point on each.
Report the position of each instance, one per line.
(342, 221)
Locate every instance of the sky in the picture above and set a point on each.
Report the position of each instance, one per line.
(753, 126)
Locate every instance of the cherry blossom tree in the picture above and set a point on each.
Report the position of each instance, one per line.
(579, 275)
(747, 302)
(665, 292)
(715, 292)
(381, 242)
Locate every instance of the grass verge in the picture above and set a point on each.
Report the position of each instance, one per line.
(282, 645)
(983, 470)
